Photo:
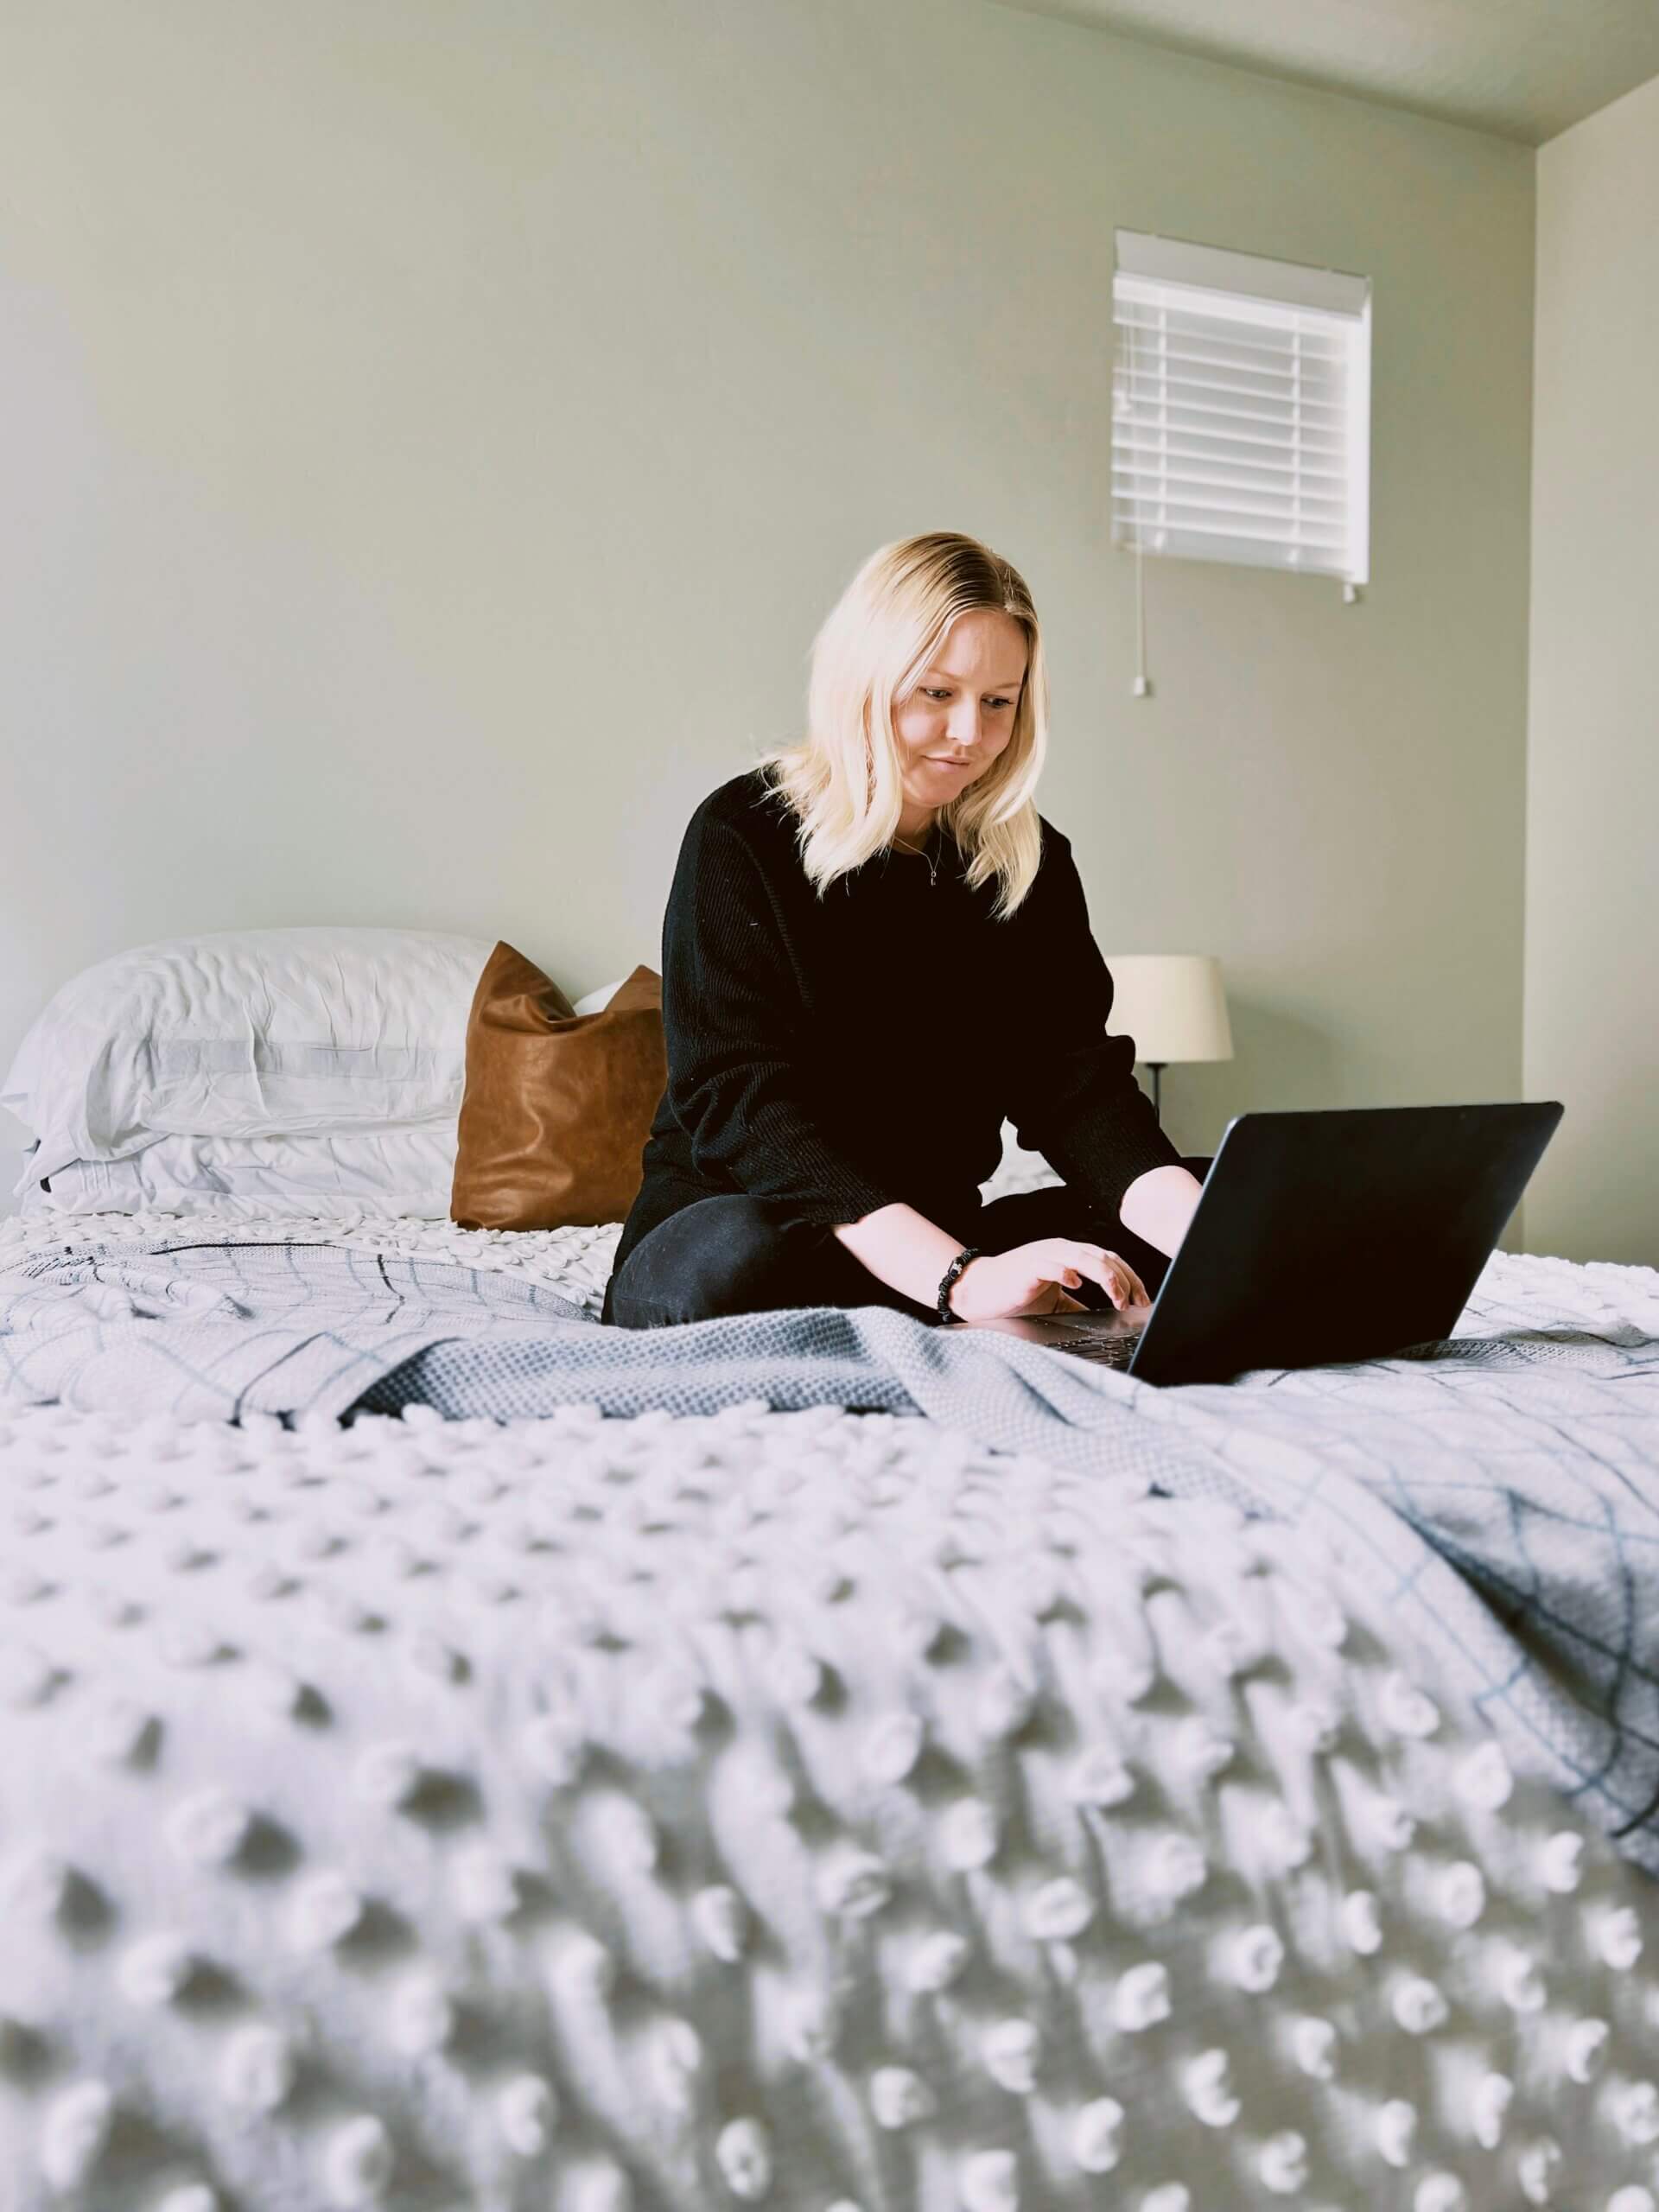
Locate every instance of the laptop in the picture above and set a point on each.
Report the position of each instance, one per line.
(1321, 1237)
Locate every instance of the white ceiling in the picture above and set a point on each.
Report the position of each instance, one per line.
(1523, 68)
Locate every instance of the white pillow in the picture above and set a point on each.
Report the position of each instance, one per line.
(1017, 1169)
(247, 1034)
(596, 1001)
(349, 1172)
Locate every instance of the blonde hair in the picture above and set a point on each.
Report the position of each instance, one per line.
(843, 780)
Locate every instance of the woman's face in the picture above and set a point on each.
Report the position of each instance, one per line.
(958, 716)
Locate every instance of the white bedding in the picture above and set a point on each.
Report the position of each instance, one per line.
(806, 1809)
(246, 1034)
(343, 1172)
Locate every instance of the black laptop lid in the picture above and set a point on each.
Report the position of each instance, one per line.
(1339, 1235)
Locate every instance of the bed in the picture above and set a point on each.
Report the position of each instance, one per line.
(456, 1758)
(820, 1808)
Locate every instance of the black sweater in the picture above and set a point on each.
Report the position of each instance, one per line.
(843, 1054)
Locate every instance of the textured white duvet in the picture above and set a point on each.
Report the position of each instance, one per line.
(801, 1809)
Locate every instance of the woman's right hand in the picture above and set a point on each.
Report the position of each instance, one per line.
(1034, 1279)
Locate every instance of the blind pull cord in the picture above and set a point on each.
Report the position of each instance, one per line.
(1142, 684)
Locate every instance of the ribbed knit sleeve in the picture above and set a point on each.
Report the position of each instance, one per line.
(741, 1080)
(1073, 1095)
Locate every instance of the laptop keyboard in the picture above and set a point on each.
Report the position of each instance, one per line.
(1105, 1352)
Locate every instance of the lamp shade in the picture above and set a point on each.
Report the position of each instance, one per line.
(1172, 1004)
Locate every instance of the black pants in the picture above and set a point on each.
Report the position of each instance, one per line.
(738, 1255)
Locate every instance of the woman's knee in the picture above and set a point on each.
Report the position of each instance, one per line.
(731, 1254)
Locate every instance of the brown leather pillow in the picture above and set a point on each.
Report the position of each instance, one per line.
(557, 1105)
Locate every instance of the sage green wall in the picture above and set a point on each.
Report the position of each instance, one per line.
(433, 435)
(1593, 835)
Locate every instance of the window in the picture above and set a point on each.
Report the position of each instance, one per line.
(1241, 408)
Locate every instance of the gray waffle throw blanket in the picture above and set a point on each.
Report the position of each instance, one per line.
(1504, 1494)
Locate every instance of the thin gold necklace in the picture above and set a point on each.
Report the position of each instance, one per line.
(921, 854)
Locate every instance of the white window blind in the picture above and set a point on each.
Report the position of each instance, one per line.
(1241, 408)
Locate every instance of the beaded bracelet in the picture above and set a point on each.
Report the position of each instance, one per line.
(969, 1252)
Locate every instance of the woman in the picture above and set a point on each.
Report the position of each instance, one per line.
(876, 951)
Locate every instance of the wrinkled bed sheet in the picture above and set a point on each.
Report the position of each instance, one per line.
(799, 1807)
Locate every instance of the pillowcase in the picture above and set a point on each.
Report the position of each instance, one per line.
(338, 1175)
(1017, 1169)
(557, 1104)
(596, 1001)
(247, 1034)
